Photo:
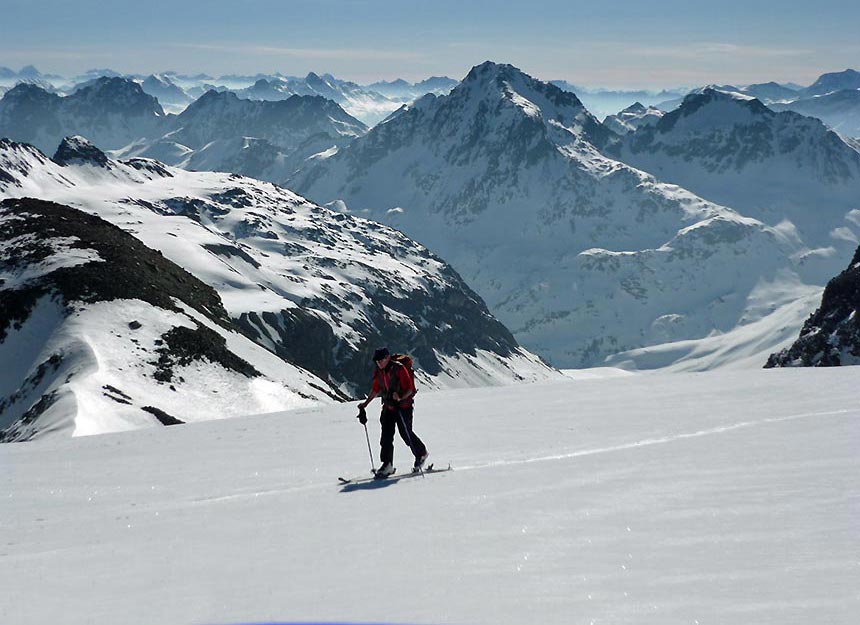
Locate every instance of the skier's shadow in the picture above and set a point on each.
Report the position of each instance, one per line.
(369, 485)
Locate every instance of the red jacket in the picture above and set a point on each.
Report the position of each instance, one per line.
(393, 379)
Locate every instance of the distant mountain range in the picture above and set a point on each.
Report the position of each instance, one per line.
(265, 130)
(832, 98)
(112, 111)
(625, 211)
(838, 109)
(218, 132)
(263, 139)
(370, 103)
(605, 102)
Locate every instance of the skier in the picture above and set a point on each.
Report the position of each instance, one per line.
(394, 383)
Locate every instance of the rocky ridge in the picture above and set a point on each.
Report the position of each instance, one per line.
(831, 335)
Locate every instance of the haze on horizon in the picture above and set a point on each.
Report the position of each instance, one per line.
(625, 44)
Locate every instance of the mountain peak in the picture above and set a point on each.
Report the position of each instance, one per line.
(835, 81)
(28, 90)
(78, 150)
(733, 107)
(490, 70)
(119, 92)
(159, 79)
(29, 72)
(210, 98)
(560, 112)
(723, 92)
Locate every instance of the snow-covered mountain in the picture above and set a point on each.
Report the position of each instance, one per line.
(318, 288)
(634, 116)
(197, 91)
(370, 104)
(112, 112)
(402, 91)
(99, 333)
(831, 336)
(780, 168)
(166, 91)
(769, 92)
(289, 124)
(833, 99)
(838, 109)
(95, 73)
(262, 139)
(218, 132)
(362, 103)
(580, 255)
(271, 89)
(27, 74)
(833, 81)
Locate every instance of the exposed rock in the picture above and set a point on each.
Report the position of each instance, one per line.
(831, 336)
(79, 150)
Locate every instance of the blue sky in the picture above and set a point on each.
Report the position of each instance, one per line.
(622, 43)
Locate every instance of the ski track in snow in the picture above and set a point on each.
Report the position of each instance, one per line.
(555, 457)
(653, 441)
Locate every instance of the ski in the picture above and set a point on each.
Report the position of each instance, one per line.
(393, 477)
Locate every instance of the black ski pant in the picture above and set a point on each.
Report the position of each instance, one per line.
(400, 418)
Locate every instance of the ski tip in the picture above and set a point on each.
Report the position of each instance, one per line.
(343, 480)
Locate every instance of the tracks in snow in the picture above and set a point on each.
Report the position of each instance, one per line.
(554, 457)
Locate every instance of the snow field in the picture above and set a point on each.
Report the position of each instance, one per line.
(720, 497)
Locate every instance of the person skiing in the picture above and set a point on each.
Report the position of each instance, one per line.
(393, 382)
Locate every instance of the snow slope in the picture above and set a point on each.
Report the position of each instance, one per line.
(715, 498)
(100, 334)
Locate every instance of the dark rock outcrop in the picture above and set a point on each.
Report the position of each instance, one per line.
(831, 336)
(129, 270)
(34, 236)
(78, 150)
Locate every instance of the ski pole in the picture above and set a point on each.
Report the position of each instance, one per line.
(369, 450)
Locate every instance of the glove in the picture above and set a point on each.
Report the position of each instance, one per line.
(362, 415)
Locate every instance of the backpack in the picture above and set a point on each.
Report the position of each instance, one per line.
(406, 361)
(403, 360)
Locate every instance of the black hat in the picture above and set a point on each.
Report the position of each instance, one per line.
(380, 353)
